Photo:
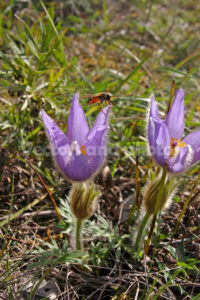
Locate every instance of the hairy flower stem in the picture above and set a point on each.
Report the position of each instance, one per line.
(146, 248)
(160, 199)
(79, 227)
(141, 229)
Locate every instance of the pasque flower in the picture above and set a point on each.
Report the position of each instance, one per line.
(79, 153)
(165, 137)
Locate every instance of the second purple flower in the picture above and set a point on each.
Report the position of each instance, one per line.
(165, 137)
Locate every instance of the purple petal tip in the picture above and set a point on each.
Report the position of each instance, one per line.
(153, 107)
(75, 97)
(43, 115)
(180, 91)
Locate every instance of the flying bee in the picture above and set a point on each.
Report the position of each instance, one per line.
(101, 98)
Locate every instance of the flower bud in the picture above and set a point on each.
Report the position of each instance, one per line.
(83, 199)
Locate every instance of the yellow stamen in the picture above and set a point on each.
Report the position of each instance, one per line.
(82, 149)
(198, 108)
(174, 143)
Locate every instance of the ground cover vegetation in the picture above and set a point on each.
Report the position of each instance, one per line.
(129, 247)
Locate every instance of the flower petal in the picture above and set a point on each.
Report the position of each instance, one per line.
(193, 140)
(77, 126)
(58, 141)
(159, 140)
(182, 161)
(77, 167)
(56, 136)
(96, 149)
(96, 144)
(102, 118)
(153, 107)
(175, 118)
(153, 112)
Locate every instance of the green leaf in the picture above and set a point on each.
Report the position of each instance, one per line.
(25, 104)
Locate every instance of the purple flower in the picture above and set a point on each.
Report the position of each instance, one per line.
(80, 153)
(165, 137)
